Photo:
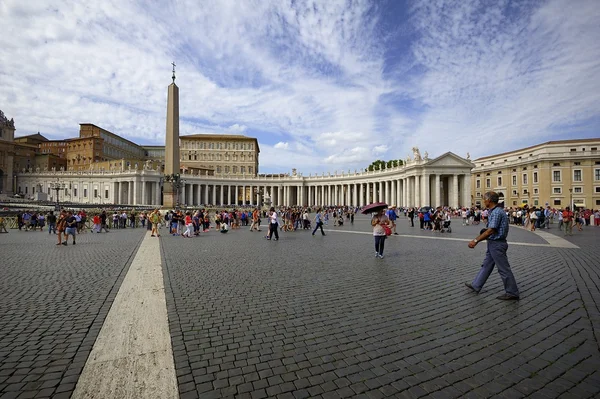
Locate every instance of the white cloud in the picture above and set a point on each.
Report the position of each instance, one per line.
(380, 149)
(323, 77)
(238, 128)
(281, 146)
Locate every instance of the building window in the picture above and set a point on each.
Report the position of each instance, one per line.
(557, 190)
(535, 177)
(557, 202)
(514, 178)
(577, 163)
(524, 178)
(235, 169)
(514, 192)
(218, 169)
(597, 174)
(226, 169)
(242, 169)
(250, 169)
(597, 190)
(478, 183)
(85, 193)
(535, 191)
(74, 192)
(487, 183)
(578, 190)
(478, 195)
(577, 175)
(499, 182)
(556, 176)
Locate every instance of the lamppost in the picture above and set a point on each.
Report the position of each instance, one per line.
(571, 199)
(57, 186)
(175, 180)
(259, 192)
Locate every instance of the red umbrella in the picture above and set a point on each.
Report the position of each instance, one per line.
(374, 207)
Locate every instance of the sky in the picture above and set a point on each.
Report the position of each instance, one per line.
(323, 85)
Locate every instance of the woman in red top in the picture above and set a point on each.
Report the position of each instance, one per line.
(188, 225)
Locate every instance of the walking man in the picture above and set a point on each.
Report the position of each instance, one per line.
(495, 234)
(318, 222)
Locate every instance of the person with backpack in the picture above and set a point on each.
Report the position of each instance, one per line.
(391, 214)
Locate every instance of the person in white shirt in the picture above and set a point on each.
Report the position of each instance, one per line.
(273, 224)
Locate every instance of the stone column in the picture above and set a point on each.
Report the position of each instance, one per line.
(466, 191)
(115, 193)
(213, 188)
(206, 199)
(437, 188)
(455, 191)
(418, 201)
(348, 195)
(361, 192)
(426, 189)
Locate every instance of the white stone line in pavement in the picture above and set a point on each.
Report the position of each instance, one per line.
(552, 239)
(556, 241)
(132, 357)
(555, 244)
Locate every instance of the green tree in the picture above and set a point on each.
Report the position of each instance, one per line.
(382, 165)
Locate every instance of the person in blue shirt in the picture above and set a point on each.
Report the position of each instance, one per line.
(495, 233)
(391, 214)
(318, 222)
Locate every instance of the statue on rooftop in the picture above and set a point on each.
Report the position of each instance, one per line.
(416, 153)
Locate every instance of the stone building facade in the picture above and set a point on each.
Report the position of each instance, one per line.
(230, 155)
(555, 173)
(444, 180)
(7, 148)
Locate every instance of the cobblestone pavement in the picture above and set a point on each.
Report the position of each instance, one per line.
(315, 316)
(53, 302)
(322, 317)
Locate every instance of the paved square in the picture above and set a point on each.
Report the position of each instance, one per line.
(314, 316)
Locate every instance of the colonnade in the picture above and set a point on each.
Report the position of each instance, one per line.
(418, 184)
(418, 190)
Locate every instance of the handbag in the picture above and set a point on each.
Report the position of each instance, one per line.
(388, 231)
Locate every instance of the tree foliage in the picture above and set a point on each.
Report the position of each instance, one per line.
(382, 165)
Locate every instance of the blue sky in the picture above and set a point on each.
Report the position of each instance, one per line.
(323, 85)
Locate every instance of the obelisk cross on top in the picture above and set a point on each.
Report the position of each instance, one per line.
(173, 63)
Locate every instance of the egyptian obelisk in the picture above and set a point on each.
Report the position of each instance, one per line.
(170, 188)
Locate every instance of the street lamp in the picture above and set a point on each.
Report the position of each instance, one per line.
(175, 180)
(259, 192)
(571, 198)
(57, 186)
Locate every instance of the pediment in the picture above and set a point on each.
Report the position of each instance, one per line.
(452, 160)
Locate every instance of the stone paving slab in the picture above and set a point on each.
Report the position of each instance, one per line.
(314, 316)
(54, 301)
(322, 317)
